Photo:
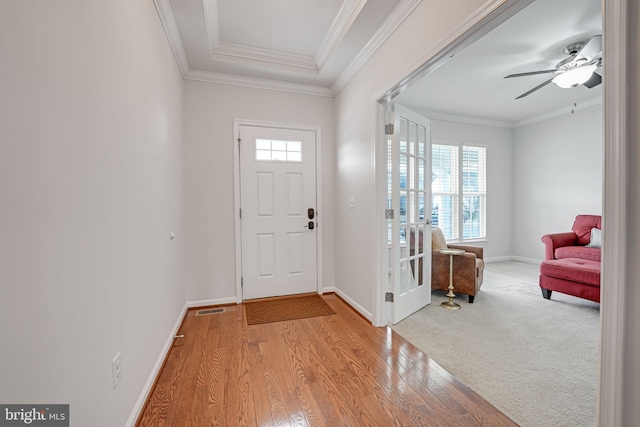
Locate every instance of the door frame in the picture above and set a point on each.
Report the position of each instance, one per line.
(482, 22)
(615, 153)
(236, 195)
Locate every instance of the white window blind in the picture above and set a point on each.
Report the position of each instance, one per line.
(474, 192)
(445, 189)
(459, 190)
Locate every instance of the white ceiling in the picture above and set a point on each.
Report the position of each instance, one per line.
(310, 42)
(472, 83)
(316, 46)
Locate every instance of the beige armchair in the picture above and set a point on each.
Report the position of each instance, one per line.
(467, 268)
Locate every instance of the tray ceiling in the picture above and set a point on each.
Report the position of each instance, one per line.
(288, 42)
(316, 46)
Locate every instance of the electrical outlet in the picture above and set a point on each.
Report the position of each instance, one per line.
(116, 368)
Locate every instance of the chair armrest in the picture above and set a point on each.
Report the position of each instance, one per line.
(464, 272)
(555, 241)
(478, 250)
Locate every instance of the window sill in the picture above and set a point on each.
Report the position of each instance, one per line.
(464, 242)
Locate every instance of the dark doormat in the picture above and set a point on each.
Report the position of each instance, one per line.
(278, 310)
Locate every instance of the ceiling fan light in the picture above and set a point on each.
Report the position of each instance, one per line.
(574, 77)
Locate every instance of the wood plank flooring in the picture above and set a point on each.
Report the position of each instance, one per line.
(329, 371)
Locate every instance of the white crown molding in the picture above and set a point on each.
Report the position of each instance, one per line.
(436, 115)
(559, 112)
(231, 52)
(347, 15)
(212, 23)
(397, 16)
(168, 20)
(289, 61)
(236, 53)
(257, 83)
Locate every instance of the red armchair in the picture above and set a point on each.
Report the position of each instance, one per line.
(572, 260)
(572, 244)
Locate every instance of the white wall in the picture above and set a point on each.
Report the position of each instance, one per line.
(90, 177)
(557, 174)
(498, 143)
(209, 110)
(429, 23)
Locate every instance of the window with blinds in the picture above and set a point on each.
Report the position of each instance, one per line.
(459, 191)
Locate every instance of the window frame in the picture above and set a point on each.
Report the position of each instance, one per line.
(458, 215)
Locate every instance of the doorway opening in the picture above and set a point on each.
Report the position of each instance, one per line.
(613, 177)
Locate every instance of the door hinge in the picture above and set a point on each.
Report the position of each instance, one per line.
(388, 297)
(240, 213)
(388, 214)
(388, 129)
(242, 282)
(239, 141)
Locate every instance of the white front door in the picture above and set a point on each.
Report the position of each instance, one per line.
(278, 208)
(411, 201)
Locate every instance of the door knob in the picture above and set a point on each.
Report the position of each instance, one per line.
(310, 226)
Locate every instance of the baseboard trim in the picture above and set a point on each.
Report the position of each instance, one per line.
(498, 259)
(211, 302)
(357, 307)
(527, 260)
(512, 258)
(157, 368)
(328, 290)
(155, 372)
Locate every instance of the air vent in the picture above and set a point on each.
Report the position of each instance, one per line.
(209, 311)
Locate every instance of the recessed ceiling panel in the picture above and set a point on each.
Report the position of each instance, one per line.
(292, 26)
(296, 45)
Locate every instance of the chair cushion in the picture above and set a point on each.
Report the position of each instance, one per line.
(573, 269)
(479, 266)
(583, 225)
(582, 252)
(437, 239)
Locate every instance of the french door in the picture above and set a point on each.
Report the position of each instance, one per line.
(409, 225)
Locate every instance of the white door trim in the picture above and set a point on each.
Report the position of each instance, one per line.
(616, 148)
(236, 195)
(488, 17)
(614, 218)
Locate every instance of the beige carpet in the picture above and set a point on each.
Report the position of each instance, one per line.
(534, 359)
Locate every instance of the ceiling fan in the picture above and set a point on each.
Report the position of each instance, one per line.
(578, 69)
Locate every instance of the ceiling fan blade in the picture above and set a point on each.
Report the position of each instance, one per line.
(593, 81)
(591, 50)
(535, 89)
(530, 73)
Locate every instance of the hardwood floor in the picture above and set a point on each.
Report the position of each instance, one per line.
(330, 371)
